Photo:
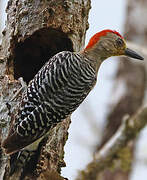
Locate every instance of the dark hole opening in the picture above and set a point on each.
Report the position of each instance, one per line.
(36, 50)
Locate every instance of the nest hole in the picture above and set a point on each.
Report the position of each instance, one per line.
(36, 50)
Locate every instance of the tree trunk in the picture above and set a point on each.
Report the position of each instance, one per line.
(35, 31)
(132, 76)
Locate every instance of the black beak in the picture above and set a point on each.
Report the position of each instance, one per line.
(132, 54)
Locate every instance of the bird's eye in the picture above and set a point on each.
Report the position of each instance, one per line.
(119, 42)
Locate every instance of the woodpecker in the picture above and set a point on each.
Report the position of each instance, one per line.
(59, 88)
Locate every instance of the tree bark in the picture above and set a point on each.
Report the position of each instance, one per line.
(35, 31)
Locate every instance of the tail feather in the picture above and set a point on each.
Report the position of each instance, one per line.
(14, 143)
(20, 159)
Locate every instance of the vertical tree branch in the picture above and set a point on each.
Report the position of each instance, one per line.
(35, 31)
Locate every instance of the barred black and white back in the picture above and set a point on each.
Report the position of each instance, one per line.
(55, 92)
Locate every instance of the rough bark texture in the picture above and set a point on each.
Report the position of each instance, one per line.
(35, 31)
(131, 80)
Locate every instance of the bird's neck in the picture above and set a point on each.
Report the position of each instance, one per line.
(94, 57)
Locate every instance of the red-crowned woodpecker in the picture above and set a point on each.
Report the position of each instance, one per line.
(59, 88)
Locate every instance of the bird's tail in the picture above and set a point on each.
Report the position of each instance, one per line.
(14, 143)
(10, 144)
(20, 161)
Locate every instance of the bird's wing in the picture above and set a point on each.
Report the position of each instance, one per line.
(33, 122)
(15, 141)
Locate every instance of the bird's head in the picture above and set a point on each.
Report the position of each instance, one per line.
(108, 43)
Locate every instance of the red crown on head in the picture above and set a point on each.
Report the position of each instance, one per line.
(97, 36)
